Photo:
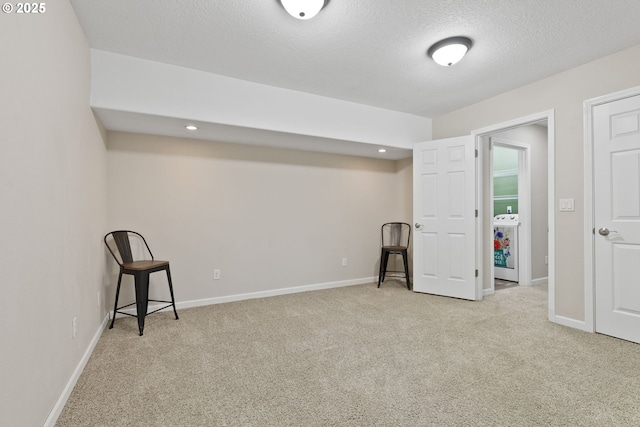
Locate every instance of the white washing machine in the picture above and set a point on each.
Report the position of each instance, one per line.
(505, 246)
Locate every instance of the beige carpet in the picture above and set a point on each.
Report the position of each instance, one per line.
(359, 356)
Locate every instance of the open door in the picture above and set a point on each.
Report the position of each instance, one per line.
(444, 213)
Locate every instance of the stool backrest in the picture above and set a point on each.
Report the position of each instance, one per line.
(122, 241)
(396, 234)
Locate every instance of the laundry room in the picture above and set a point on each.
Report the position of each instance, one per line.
(520, 206)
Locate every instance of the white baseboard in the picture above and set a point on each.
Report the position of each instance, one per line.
(261, 294)
(487, 292)
(275, 292)
(534, 282)
(572, 323)
(62, 400)
(540, 281)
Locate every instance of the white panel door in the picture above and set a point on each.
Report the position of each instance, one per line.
(444, 204)
(617, 217)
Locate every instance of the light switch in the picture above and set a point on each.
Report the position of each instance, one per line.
(567, 205)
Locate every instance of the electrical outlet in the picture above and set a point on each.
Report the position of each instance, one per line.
(74, 327)
(216, 274)
(344, 262)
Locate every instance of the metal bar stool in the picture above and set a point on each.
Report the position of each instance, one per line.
(395, 240)
(140, 270)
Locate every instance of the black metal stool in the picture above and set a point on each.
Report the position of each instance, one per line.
(140, 270)
(394, 236)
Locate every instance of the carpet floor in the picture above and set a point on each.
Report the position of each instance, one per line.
(359, 356)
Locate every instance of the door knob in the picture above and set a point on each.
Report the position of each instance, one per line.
(605, 231)
(418, 225)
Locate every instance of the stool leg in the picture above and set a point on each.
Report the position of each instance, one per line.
(142, 297)
(173, 301)
(386, 264)
(115, 304)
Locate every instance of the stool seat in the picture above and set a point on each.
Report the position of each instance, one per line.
(144, 265)
(395, 248)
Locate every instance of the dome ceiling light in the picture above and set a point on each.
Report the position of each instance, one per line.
(303, 9)
(449, 51)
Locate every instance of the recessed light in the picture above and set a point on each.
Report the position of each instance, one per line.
(382, 150)
(191, 127)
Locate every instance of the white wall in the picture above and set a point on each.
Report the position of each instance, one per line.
(564, 92)
(52, 210)
(268, 218)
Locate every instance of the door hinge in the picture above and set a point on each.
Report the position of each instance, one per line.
(476, 272)
(476, 213)
(476, 152)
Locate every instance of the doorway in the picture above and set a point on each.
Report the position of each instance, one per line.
(509, 173)
(453, 236)
(533, 137)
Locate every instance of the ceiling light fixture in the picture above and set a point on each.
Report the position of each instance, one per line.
(382, 150)
(449, 51)
(303, 9)
(191, 127)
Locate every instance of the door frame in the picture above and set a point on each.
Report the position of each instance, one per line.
(524, 206)
(485, 245)
(589, 216)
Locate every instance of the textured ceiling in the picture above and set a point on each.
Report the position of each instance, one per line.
(368, 51)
